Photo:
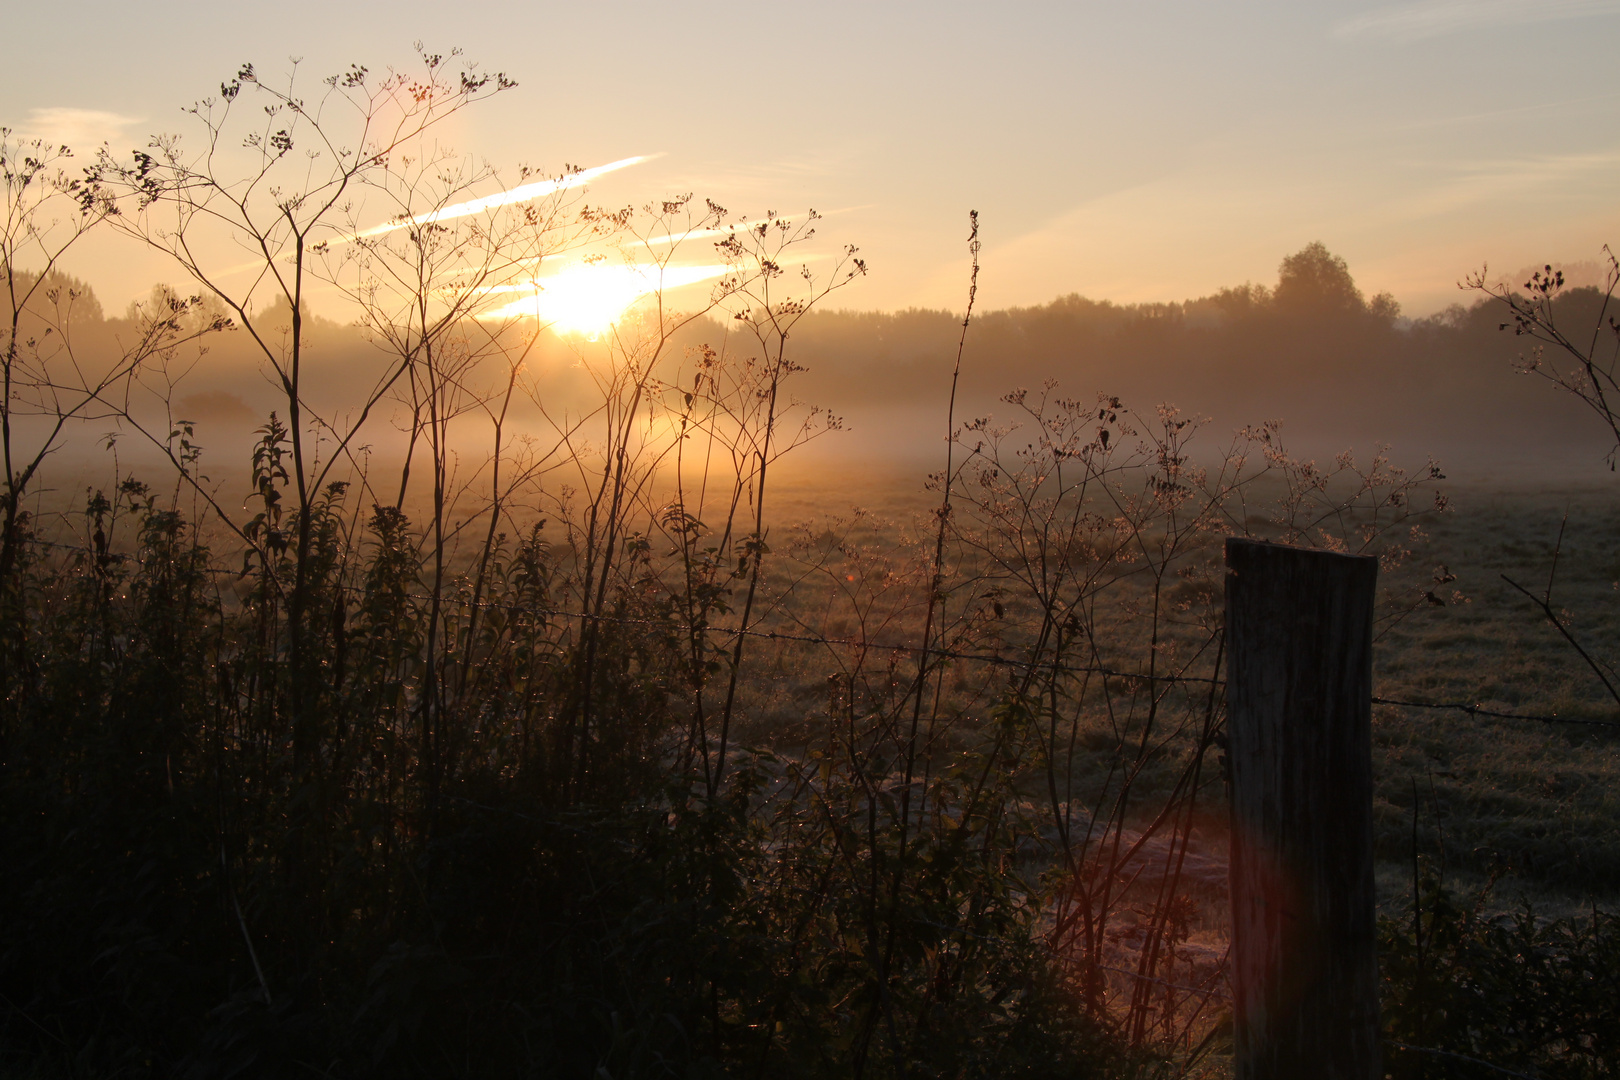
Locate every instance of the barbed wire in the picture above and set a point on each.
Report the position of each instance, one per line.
(1480, 710)
(1472, 709)
(771, 635)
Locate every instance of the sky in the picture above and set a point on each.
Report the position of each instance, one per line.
(1131, 152)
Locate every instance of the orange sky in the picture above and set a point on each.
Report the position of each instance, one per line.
(1130, 152)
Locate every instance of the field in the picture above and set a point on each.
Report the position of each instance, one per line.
(1534, 803)
(1504, 815)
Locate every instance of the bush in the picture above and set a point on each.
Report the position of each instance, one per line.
(1537, 995)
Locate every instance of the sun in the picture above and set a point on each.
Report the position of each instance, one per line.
(587, 299)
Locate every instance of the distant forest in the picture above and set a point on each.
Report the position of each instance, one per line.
(1340, 369)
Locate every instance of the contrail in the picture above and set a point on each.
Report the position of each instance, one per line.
(521, 193)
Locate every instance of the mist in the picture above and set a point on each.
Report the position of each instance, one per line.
(1339, 371)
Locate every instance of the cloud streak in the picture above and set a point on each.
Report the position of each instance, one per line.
(1436, 18)
(521, 193)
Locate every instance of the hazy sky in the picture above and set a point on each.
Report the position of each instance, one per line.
(1131, 152)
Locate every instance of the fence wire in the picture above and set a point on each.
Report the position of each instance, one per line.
(1480, 710)
(1470, 708)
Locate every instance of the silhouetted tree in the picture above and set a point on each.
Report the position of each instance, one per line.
(1314, 280)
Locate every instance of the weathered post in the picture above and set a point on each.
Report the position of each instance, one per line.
(1299, 722)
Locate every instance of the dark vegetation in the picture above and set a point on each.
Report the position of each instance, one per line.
(1467, 988)
(531, 748)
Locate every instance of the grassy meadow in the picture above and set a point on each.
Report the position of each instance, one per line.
(1533, 803)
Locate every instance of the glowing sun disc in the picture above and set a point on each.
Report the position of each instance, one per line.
(588, 299)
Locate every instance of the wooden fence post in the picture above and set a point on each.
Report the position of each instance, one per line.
(1299, 722)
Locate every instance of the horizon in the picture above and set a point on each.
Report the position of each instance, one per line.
(1578, 274)
(1129, 156)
